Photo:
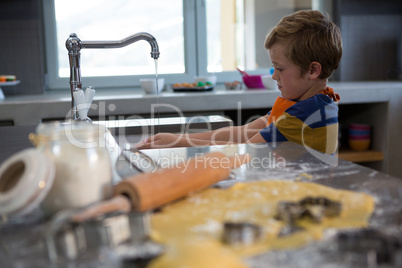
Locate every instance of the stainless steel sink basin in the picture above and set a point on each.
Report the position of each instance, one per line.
(150, 126)
(124, 134)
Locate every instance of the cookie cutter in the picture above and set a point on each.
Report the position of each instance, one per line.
(313, 208)
(241, 233)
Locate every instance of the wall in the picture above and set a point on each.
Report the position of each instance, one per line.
(266, 17)
(21, 45)
(371, 31)
(372, 42)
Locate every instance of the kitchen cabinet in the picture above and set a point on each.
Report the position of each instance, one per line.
(375, 115)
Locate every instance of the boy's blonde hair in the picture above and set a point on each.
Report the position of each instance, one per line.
(308, 36)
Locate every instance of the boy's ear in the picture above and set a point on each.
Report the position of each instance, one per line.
(315, 69)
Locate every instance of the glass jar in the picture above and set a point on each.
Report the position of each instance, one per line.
(83, 166)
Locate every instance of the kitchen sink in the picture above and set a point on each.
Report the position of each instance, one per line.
(124, 134)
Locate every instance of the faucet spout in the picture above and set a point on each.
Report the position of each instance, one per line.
(74, 46)
(125, 42)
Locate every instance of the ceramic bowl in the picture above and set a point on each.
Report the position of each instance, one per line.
(268, 82)
(253, 81)
(149, 85)
(359, 145)
(236, 85)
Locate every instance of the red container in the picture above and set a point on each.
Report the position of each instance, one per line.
(253, 81)
(359, 137)
(359, 127)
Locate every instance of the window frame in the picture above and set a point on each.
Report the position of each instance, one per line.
(55, 82)
(195, 54)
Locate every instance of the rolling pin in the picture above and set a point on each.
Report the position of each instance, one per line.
(151, 190)
(148, 191)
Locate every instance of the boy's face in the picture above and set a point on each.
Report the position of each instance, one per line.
(290, 81)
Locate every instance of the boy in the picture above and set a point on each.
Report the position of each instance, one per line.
(305, 48)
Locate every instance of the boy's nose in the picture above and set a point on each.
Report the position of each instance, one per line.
(274, 76)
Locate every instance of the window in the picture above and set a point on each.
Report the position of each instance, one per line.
(115, 20)
(102, 20)
(195, 37)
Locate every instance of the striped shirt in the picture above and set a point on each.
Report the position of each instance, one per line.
(312, 122)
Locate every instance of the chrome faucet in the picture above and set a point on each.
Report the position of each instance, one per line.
(74, 45)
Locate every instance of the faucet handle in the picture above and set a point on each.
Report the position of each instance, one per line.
(79, 98)
(89, 96)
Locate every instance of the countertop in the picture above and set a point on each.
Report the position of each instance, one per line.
(28, 110)
(133, 103)
(340, 174)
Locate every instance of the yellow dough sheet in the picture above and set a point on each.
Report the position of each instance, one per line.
(192, 228)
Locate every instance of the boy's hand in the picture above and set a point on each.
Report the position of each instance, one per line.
(161, 140)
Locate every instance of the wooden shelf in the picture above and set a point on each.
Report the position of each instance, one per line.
(361, 156)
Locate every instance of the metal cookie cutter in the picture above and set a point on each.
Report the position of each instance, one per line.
(67, 243)
(130, 255)
(241, 233)
(139, 250)
(289, 212)
(314, 208)
(63, 239)
(386, 248)
(318, 207)
(108, 230)
(139, 227)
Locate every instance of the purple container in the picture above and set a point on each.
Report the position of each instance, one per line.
(253, 81)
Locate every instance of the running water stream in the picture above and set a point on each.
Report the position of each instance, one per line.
(157, 96)
(156, 130)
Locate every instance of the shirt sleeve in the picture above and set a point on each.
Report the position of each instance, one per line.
(272, 134)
